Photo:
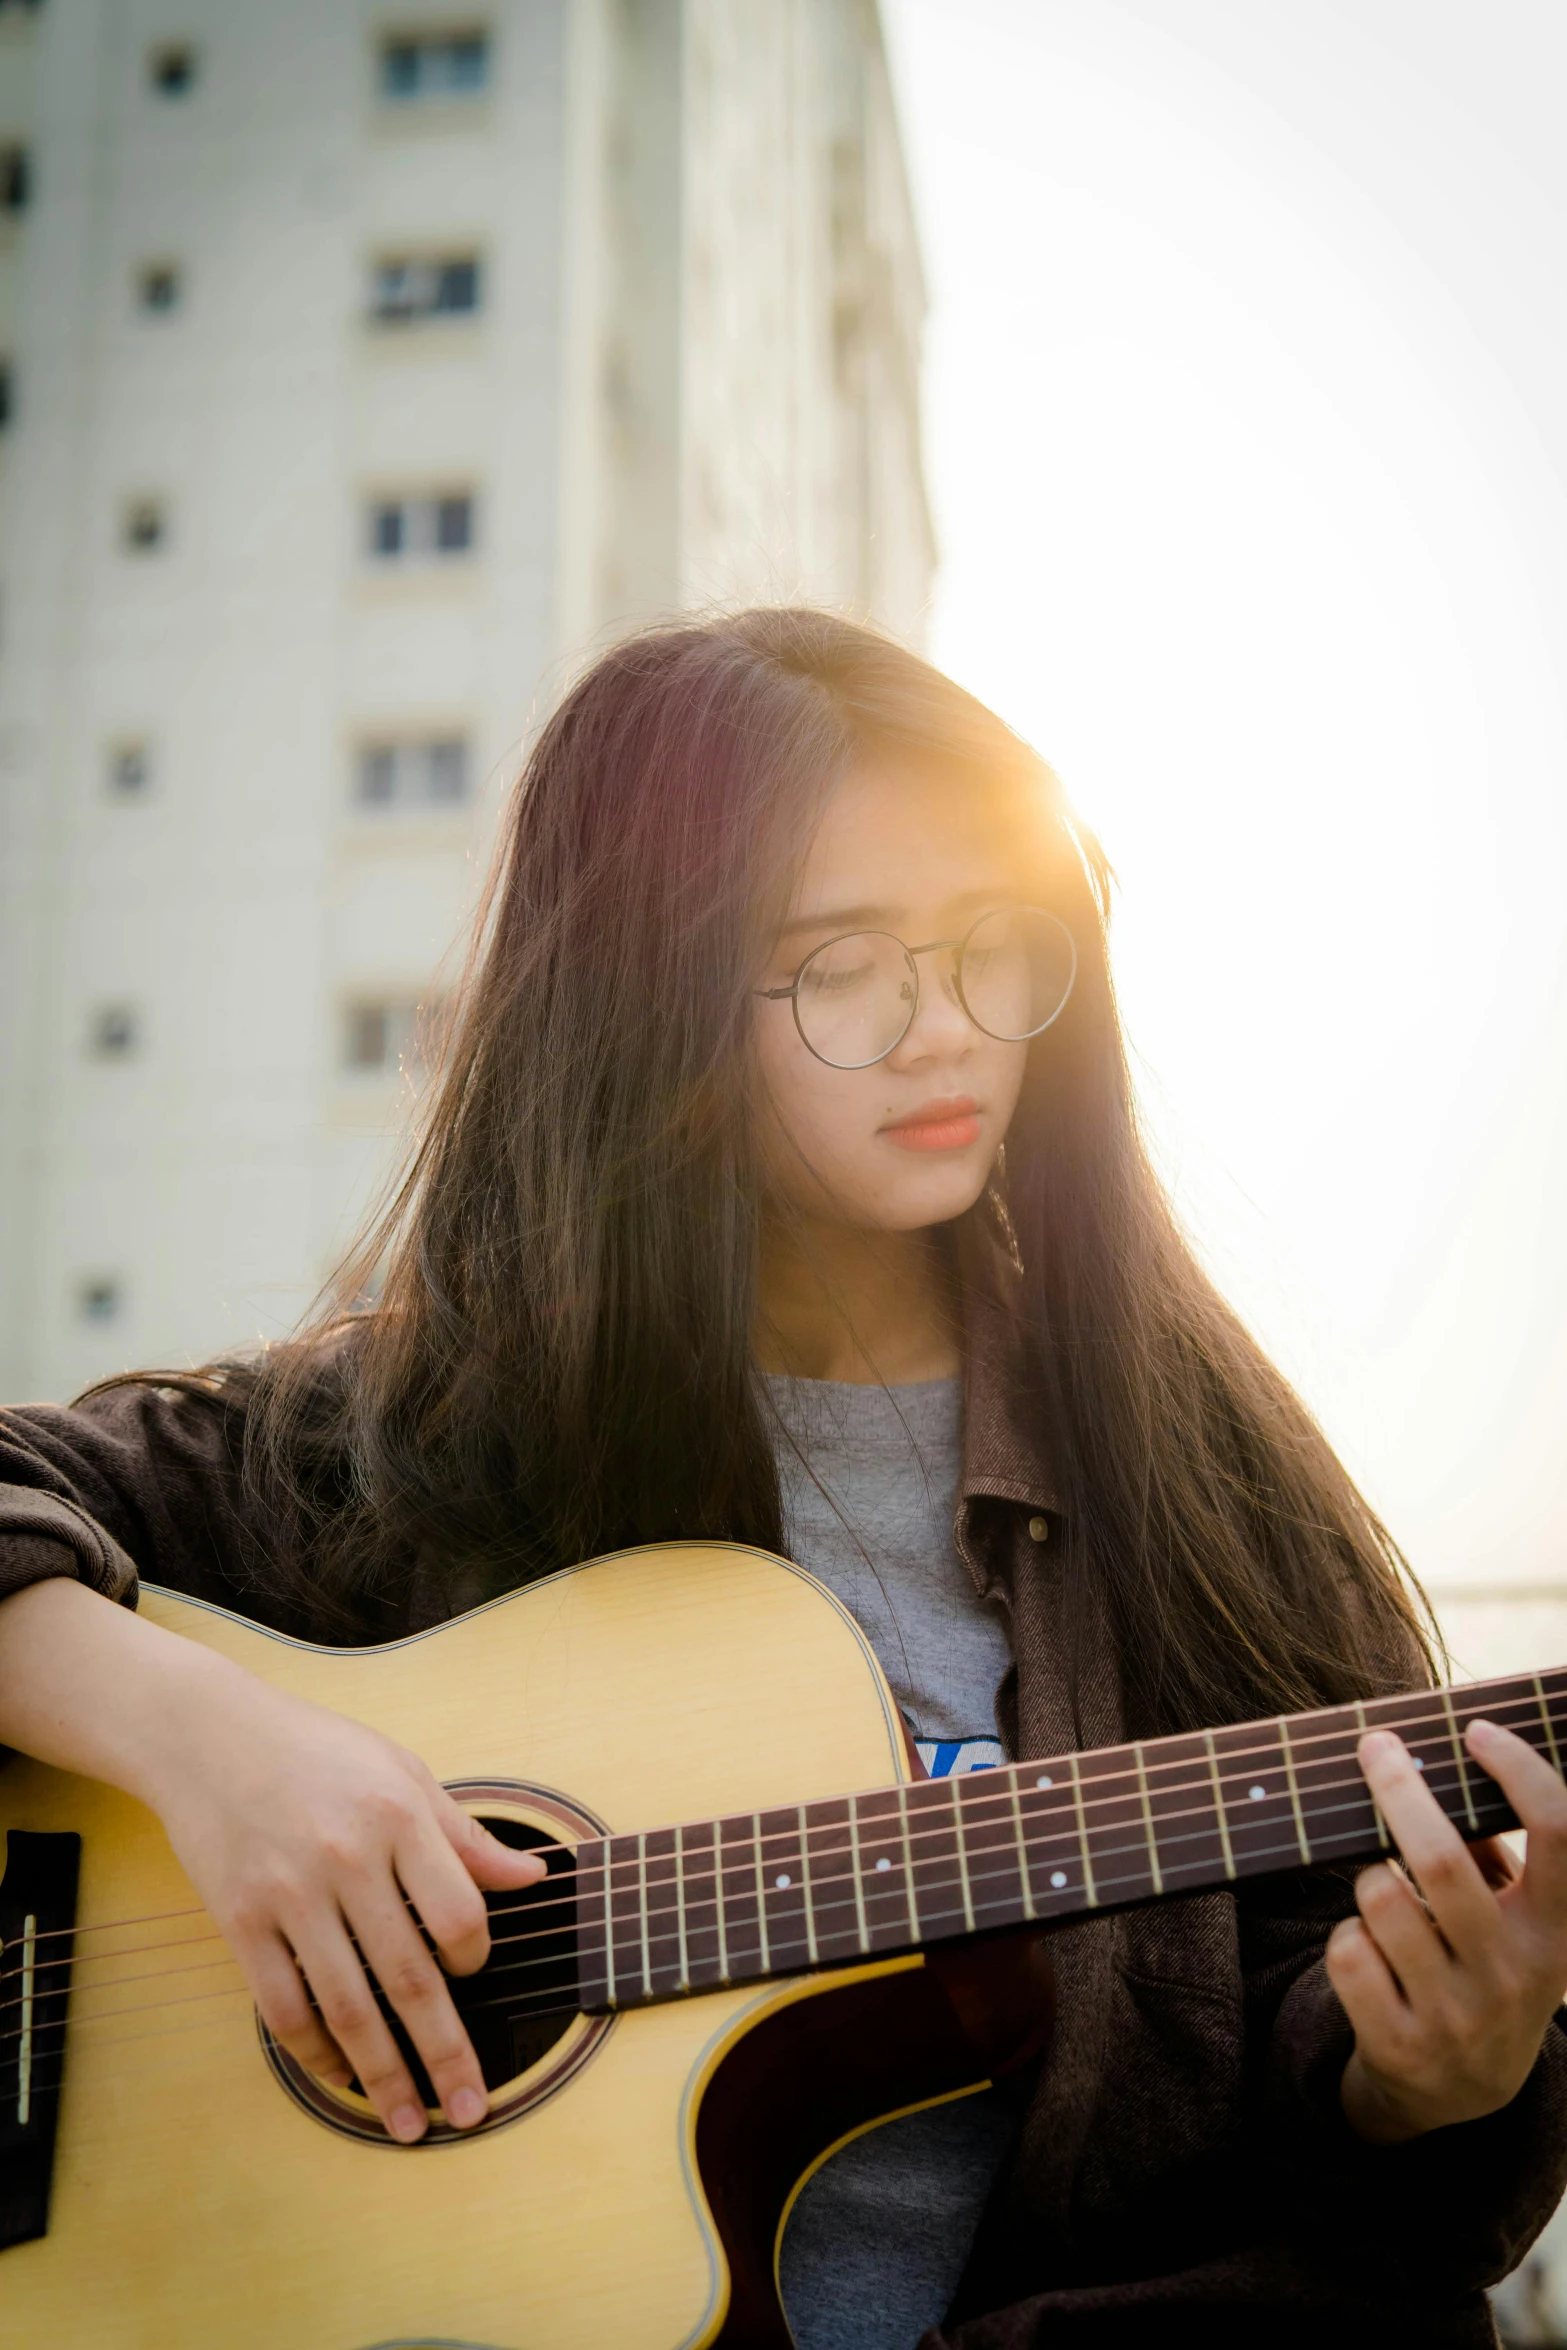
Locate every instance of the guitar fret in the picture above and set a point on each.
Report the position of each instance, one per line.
(937, 1880)
(666, 1961)
(761, 1891)
(718, 1898)
(1024, 1876)
(961, 1844)
(680, 1913)
(998, 1885)
(1383, 1837)
(1187, 1824)
(1218, 1805)
(1462, 1761)
(1153, 1842)
(1117, 1835)
(832, 1880)
(592, 1927)
(908, 1864)
(881, 1842)
(781, 1876)
(742, 1919)
(805, 1884)
(859, 1882)
(647, 1955)
(1082, 1836)
(1545, 1716)
(1294, 1787)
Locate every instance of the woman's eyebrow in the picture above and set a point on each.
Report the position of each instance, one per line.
(844, 918)
(887, 917)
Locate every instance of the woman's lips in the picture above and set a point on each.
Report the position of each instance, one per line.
(947, 1125)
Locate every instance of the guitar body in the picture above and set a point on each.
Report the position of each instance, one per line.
(632, 2189)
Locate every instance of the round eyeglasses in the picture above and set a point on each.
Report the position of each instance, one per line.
(855, 997)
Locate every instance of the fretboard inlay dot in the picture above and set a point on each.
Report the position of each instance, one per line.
(1058, 1878)
(1256, 1793)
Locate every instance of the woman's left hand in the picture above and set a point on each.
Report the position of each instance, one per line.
(1450, 1996)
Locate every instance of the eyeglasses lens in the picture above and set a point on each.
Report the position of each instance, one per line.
(855, 997)
(1017, 971)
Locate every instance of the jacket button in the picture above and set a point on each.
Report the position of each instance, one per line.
(1039, 1529)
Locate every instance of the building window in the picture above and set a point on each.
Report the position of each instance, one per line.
(158, 288)
(128, 773)
(434, 65)
(416, 529)
(429, 773)
(385, 1035)
(16, 179)
(113, 1032)
(405, 290)
(100, 1297)
(171, 69)
(144, 526)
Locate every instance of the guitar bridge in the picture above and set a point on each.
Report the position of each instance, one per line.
(37, 1922)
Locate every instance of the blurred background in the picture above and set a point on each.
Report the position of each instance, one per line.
(1187, 376)
(363, 371)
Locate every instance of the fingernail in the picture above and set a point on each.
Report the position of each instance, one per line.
(407, 2123)
(465, 2107)
(1480, 1723)
(1380, 1742)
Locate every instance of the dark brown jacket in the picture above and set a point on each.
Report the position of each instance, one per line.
(1183, 2171)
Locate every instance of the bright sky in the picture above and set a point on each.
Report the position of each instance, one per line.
(1247, 401)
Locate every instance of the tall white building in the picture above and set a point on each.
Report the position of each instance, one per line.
(360, 368)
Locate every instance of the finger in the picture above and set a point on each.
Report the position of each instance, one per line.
(1367, 1988)
(1461, 1902)
(413, 1983)
(446, 1897)
(285, 2009)
(1403, 1933)
(1540, 1800)
(333, 1970)
(1496, 1861)
(496, 1866)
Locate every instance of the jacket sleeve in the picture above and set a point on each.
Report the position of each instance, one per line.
(1442, 2215)
(136, 1481)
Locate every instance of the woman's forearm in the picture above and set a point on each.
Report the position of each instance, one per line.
(91, 1687)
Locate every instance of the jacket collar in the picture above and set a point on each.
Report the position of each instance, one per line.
(1005, 1445)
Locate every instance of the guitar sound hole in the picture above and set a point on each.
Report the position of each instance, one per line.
(524, 1998)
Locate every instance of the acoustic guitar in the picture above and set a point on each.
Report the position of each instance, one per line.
(761, 1932)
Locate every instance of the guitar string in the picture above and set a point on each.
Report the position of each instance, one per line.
(534, 2003)
(747, 1860)
(1138, 1845)
(1065, 1836)
(972, 1806)
(1092, 1788)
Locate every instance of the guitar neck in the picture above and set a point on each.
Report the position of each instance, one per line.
(677, 1910)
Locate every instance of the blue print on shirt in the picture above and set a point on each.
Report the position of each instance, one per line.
(954, 1758)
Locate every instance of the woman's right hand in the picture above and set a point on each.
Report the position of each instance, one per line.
(297, 1827)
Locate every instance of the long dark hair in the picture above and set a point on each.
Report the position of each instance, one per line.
(558, 1359)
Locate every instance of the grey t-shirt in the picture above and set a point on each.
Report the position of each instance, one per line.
(880, 2235)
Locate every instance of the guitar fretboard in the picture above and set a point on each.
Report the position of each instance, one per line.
(676, 1910)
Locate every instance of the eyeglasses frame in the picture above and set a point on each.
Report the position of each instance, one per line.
(776, 995)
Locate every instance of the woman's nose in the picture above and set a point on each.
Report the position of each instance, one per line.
(940, 1023)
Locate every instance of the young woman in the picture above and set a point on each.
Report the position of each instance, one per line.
(781, 1183)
